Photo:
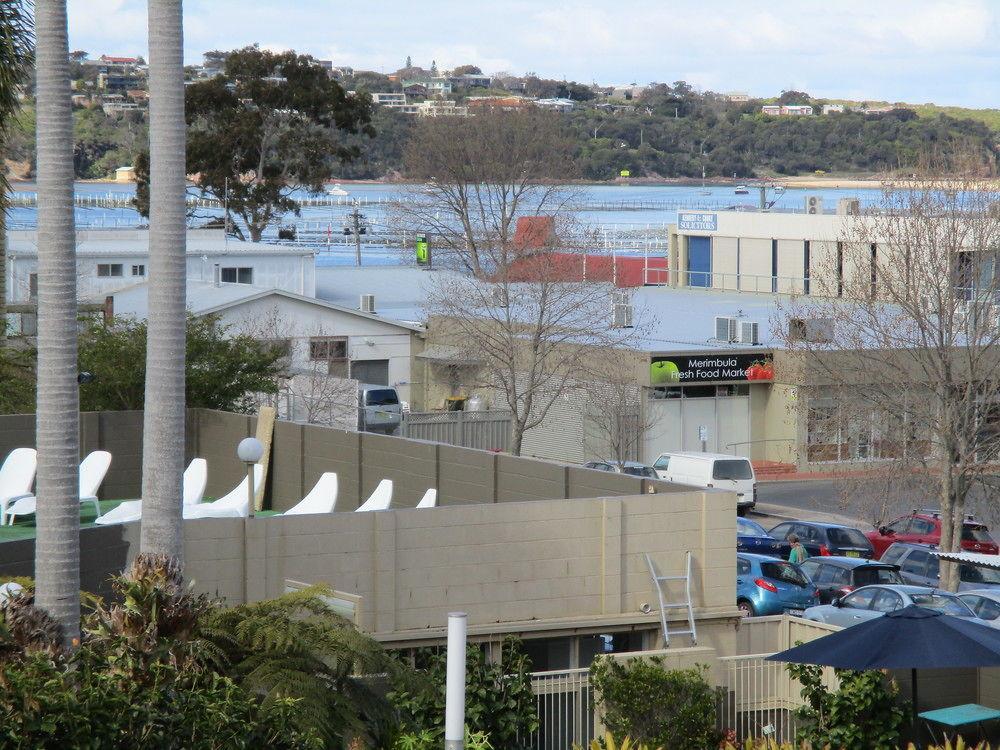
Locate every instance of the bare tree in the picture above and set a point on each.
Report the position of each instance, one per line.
(616, 420)
(480, 175)
(898, 342)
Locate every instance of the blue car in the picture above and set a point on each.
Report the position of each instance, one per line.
(768, 586)
(751, 537)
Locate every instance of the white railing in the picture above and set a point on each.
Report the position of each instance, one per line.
(565, 704)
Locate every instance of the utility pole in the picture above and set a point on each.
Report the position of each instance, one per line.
(356, 219)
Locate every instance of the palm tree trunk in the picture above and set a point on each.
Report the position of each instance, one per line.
(57, 549)
(163, 429)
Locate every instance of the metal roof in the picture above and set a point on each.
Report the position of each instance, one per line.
(972, 558)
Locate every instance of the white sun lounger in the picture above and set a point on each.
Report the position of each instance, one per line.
(322, 498)
(380, 499)
(16, 477)
(195, 479)
(93, 469)
(235, 504)
(429, 500)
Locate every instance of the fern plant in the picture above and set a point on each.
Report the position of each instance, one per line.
(608, 743)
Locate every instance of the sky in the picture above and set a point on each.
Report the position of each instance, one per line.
(916, 51)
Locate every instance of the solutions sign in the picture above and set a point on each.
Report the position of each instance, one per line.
(715, 368)
(697, 221)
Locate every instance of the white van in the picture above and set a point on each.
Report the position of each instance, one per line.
(719, 470)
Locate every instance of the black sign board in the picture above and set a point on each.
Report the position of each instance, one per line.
(711, 368)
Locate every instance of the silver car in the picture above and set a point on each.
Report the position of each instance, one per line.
(869, 602)
(634, 468)
(985, 603)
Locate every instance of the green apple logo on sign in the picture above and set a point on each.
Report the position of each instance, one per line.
(663, 371)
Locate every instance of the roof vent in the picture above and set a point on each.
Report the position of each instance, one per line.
(368, 303)
(726, 329)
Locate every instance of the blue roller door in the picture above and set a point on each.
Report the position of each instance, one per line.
(699, 261)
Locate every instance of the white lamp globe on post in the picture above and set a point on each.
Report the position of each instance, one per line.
(250, 451)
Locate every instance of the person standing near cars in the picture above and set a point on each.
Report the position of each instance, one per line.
(798, 553)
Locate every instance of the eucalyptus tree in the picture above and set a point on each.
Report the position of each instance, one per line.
(15, 61)
(57, 549)
(163, 428)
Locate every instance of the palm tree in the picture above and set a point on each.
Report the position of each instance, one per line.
(163, 430)
(15, 60)
(57, 548)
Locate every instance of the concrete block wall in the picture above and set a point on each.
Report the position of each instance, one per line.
(560, 561)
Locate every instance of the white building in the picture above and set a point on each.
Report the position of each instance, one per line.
(330, 347)
(830, 109)
(737, 97)
(109, 260)
(559, 104)
(440, 108)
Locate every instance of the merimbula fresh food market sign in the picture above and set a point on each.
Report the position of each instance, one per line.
(712, 368)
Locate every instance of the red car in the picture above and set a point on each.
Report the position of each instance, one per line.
(925, 527)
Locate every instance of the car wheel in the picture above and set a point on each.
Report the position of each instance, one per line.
(746, 608)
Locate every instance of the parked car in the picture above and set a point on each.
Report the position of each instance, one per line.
(634, 468)
(985, 603)
(719, 470)
(837, 576)
(751, 537)
(379, 409)
(768, 586)
(924, 526)
(919, 566)
(870, 602)
(826, 538)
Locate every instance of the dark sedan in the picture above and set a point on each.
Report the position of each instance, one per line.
(835, 577)
(751, 537)
(826, 538)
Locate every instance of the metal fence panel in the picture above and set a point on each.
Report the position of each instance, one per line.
(565, 704)
(486, 430)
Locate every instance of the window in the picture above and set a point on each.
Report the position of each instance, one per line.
(887, 601)
(860, 599)
(32, 286)
(972, 533)
(781, 531)
(865, 576)
(726, 469)
(742, 567)
(333, 351)
(949, 605)
(784, 572)
(975, 574)
(109, 269)
(921, 527)
(662, 462)
(816, 572)
(236, 275)
(745, 527)
(899, 527)
(916, 563)
(892, 554)
(847, 537)
(389, 397)
(139, 269)
(985, 609)
(839, 576)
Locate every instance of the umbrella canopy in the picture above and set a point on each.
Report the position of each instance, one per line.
(909, 638)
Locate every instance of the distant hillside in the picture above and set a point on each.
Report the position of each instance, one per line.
(991, 117)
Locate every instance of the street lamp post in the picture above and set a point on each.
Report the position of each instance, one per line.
(250, 451)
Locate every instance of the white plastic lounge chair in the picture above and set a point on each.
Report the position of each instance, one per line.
(322, 498)
(16, 477)
(380, 499)
(429, 500)
(195, 478)
(93, 469)
(235, 504)
(9, 589)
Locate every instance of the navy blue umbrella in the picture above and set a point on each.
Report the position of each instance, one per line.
(910, 638)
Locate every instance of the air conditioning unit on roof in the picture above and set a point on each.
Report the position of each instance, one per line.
(726, 329)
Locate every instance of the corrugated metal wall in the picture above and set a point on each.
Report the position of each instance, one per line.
(560, 436)
(485, 430)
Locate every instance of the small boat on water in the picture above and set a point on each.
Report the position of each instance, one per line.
(336, 190)
(742, 190)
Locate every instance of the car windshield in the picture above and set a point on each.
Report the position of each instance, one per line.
(865, 576)
(381, 397)
(736, 469)
(785, 572)
(662, 462)
(749, 528)
(639, 471)
(976, 574)
(948, 605)
(974, 533)
(846, 537)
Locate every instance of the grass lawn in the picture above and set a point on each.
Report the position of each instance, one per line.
(24, 527)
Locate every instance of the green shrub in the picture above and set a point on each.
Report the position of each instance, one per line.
(499, 703)
(863, 714)
(656, 706)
